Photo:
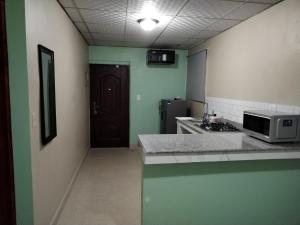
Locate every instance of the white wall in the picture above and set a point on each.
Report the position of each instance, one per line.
(259, 59)
(54, 165)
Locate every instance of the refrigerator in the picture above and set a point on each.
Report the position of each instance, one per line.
(169, 109)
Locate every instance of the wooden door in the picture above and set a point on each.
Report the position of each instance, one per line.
(109, 105)
(7, 199)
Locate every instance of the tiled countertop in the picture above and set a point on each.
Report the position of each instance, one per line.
(208, 147)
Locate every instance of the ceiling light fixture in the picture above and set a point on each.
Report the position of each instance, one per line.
(148, 23)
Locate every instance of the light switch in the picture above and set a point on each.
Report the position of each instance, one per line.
(33, 120)
(138, 97)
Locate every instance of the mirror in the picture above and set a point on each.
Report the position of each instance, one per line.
(47, 94)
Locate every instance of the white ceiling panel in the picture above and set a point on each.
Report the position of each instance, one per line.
(264, 1)
(103, 17)
(189, 25)
(74, 14)
(87, 35)
(204, 34)
(121, 44)
(106, 28)
(140, 38)
(170, 43)
(67, 3)
(108, 37)
(165, 46)
(81, 26)
(109, 43)
(161, 7)
(105, 5)
(138, 44)
(184, 46)
(209, 8)
(194, 41)
(246, 11)
(90, 42)
(222, 25)
(170, 34)
(182, 23)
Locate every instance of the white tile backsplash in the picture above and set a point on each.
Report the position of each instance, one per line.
(233, 109)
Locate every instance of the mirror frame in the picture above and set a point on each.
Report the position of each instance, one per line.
(49, 92)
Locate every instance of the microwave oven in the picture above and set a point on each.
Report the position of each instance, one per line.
(272, 126)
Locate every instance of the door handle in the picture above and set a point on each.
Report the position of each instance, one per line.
(95, 108)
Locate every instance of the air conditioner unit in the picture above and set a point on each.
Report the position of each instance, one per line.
(160, 56)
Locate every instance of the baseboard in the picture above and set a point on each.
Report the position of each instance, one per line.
(133, 146)
(61, 205)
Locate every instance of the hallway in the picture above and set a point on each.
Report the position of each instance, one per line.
(107, 190)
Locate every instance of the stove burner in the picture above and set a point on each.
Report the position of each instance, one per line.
(218, 127)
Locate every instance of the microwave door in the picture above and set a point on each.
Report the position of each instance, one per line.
(257, 124)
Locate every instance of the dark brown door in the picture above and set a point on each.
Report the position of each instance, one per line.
(7, 205)
(109, 105)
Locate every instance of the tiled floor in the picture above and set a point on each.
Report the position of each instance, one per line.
(107, 190)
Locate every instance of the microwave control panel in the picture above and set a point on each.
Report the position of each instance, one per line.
(286, 128)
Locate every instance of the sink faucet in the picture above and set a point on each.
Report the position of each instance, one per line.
(206, 114)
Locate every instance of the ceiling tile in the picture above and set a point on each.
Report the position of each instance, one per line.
(87, 36)
(190, 26)
(204, 34)
(101, 17)
(172, 32)
(139, 44)
(81, 26)
(107, 37)
(106, 28)
(110, 5)
(222, 25)
(109, 43)
(165, 46)
(184, 47)
(246, 11)
(74, 14)
(121, 44)
(209, 8)
(169, 43)
(67, 3)
(194, 41)
(140, 38)
(90, 42)
(160, 7)
(114, 22)
(264, 1)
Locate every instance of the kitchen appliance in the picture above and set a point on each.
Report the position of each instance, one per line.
(272, 126)
(218, 126)
(160, 56)
(169, 109)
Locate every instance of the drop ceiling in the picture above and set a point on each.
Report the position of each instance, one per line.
(183, 23)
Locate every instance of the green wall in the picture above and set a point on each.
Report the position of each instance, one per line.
(151, 82)
(18, 79)
(222, 193)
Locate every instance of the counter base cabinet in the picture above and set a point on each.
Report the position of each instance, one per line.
(222, 193)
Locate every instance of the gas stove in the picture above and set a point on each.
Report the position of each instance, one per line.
(218, 126)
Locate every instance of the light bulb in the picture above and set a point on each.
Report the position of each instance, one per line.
(148, 23)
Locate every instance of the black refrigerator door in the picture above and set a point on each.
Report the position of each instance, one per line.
(169, 110)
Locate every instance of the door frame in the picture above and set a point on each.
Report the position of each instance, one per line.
(6, 150)
(128, 99)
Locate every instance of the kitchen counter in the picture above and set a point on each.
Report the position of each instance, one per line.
(211, 147)
(191, 177)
